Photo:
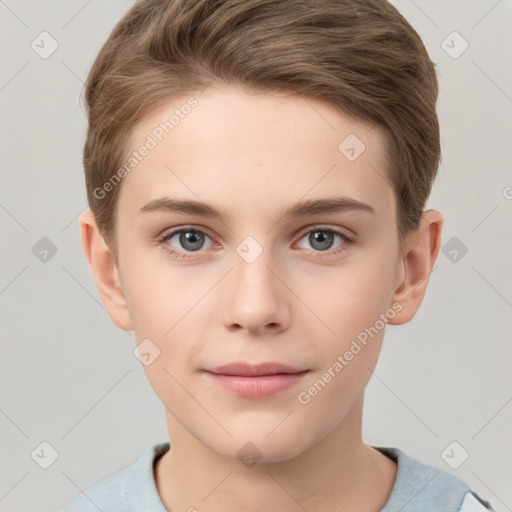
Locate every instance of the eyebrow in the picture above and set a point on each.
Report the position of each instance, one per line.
(335, 204)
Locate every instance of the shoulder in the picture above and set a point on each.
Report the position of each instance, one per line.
(106, 495)
(131, 486)
(420, 488)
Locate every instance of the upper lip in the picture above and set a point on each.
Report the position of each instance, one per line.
(252, 370)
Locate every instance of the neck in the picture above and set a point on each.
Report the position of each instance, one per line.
(338, 470)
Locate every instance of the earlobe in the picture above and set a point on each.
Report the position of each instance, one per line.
(105, 273)
(419, 256)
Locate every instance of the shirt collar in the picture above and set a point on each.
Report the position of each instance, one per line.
(141, 491)
(412, 480)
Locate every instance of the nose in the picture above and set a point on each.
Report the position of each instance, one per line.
(255, 297)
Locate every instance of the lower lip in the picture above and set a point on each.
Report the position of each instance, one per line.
(263, 385)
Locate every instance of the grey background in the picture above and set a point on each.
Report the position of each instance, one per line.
(68, 375)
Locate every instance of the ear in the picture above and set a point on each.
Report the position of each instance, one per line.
(417, 260)
(105, 273)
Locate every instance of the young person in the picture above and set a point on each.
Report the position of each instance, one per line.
(256, 173)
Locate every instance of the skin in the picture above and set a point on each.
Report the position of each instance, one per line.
(254, 155)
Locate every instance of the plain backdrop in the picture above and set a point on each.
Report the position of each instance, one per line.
(69, 378)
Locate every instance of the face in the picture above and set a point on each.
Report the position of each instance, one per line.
(298, 266)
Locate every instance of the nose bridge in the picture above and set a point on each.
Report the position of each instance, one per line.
(255, 297)
(251, 267)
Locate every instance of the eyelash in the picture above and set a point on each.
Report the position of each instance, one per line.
(347, 241)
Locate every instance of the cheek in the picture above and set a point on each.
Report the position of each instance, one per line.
(170, 387)
(166, 309)
(159, 297)
(353, 299)
(352, 308)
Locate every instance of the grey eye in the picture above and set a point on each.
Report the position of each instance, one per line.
(191, 240)
(323, 239)
(188, 239)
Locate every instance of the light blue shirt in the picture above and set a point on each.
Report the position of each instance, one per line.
(418, 488)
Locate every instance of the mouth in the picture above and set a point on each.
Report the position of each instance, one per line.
(255, 381)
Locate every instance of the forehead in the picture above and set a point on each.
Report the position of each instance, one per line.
(255, 152)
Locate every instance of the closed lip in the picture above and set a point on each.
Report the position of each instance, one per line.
(254, 370)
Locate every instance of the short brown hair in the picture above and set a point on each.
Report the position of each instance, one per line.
(361, 56)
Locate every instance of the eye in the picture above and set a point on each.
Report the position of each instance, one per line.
(322, 239)
(181, 241)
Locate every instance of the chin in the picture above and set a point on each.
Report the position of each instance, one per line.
(256, 448)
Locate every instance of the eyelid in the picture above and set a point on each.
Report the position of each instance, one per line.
(346, 233)
(307, 229)
(178, 229)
